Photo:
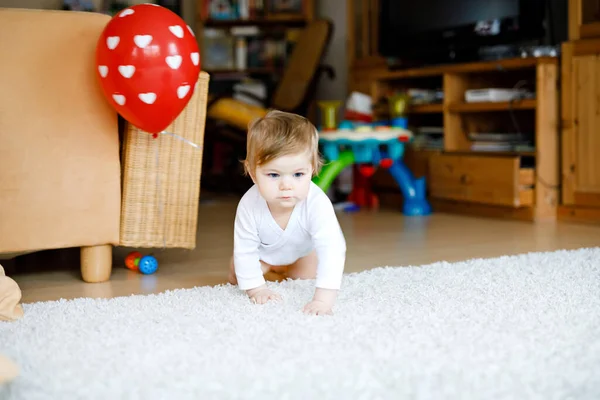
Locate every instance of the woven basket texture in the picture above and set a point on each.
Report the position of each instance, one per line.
(161, 179)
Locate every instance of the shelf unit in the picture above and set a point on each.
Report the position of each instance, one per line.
(270, 25)
(520, 184)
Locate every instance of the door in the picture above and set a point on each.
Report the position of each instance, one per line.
(581, 123)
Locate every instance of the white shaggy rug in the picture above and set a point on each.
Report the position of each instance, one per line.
(523, 327)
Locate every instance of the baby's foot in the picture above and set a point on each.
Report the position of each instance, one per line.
(232, 278)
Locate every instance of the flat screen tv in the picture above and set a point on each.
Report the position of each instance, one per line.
(443, 31)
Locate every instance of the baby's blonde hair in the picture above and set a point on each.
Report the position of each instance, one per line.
(277, 134)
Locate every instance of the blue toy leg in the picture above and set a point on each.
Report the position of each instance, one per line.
(413, 190)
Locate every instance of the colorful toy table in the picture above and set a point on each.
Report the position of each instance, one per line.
(370, 147)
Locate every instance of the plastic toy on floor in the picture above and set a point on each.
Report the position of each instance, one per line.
(370, 146)
(135, 261)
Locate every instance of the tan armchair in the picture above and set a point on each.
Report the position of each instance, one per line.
(60, 159)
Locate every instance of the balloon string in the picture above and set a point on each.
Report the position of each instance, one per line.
(181, 138)
(161, 215)
(160, 203)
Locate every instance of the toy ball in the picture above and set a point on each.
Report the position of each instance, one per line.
(148, 265)
(132, 260)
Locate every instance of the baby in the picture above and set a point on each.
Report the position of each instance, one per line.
(285, 221)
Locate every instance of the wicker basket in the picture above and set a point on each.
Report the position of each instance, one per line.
(161, 179)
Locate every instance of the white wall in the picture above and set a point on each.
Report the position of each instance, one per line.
(336, 11)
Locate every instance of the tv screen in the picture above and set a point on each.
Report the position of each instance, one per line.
(443, 30)
(420, 16)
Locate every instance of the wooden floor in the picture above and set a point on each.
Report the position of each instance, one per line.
(374, 239)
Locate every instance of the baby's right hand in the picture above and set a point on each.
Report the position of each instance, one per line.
(262, 294)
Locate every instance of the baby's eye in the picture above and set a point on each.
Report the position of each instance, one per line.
(298, 174)
(273, 175)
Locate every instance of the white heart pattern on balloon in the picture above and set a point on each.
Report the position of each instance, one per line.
(126, 12)
(103, 69)
(176, 30)
(148, 98)
(127, 70)
(119, 99)
(142, 41)
(112, 42)
(182, 91)
(174, 61)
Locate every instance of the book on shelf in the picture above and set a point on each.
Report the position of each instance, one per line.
(501, 142)
(228, 10)
(243, 48)
(232, 10)
(428, 138)
(432, 138)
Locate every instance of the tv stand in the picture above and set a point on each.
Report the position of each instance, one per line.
(488, 53)
(520, 183)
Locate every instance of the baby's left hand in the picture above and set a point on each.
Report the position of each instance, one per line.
(317, 307)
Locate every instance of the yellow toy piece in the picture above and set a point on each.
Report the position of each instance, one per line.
(235, 112)
(329, 113)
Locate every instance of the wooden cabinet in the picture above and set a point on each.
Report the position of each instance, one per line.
(499, 181)
(581, 130)
(467, 175)
(584, 19)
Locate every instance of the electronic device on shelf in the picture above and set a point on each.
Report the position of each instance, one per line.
(496, 95)
(433, 32)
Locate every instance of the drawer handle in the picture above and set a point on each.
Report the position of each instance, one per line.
(465, 179)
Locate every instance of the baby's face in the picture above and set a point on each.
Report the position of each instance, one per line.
(284, 181)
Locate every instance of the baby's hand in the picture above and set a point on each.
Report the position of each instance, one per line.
(322, 302)
(262, 294)
(318, 307)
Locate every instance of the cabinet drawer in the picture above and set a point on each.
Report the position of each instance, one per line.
(481, 179)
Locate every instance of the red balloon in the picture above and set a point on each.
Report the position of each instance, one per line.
(148, 63)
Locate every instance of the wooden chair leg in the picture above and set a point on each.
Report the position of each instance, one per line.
(96, 263)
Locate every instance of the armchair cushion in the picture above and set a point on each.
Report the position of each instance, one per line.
(59, 144)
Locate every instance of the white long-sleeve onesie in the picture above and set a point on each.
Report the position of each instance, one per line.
(312, 225)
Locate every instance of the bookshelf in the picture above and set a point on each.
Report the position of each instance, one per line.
(249, 37)
(473, 169)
